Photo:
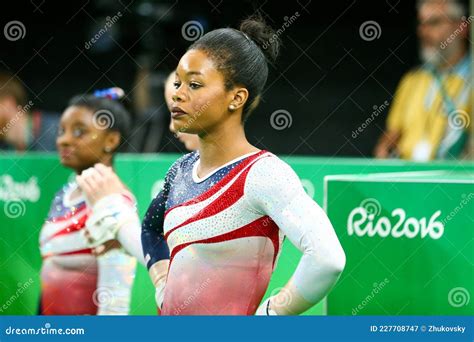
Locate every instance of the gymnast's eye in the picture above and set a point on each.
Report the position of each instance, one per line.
(78, 132)
(176, 85)
(194, 85)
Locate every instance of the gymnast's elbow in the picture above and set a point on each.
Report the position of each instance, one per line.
(338, 261)
(335, 257)
(330, 263)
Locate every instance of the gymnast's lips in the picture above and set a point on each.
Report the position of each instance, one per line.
(65, 152)
(177, 111)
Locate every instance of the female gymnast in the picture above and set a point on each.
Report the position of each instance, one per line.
(212, 236)
(86, 269)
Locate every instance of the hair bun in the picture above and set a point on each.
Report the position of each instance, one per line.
(263, 35)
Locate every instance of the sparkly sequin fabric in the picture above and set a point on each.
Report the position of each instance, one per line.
(73, 280)
(221, 250)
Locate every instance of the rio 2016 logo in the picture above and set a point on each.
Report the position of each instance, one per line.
(364, 221)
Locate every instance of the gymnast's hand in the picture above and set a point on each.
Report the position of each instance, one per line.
(98, 182)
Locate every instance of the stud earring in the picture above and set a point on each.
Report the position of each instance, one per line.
(107, 149)
(231, 107)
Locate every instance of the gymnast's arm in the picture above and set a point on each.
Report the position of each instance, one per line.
(155, 248)
(273, 188)
(114, 214)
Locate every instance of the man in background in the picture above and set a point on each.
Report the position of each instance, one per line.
(430, 113)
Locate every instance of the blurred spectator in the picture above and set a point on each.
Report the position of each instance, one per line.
(21, 127)
(151, 116)
(430, 113)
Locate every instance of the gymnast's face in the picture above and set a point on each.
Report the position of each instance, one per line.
(80, 143)
(200, 100)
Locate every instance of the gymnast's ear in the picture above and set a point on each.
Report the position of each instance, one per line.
(112, 141)
(238, 98)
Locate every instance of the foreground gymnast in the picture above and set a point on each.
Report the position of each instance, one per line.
(85, 267)
(212, 236)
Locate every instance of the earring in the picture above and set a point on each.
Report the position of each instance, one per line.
(231, 107)
(107, 149)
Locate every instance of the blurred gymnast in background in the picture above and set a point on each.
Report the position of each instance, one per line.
(92, 228)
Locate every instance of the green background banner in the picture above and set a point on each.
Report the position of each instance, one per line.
(409, 242)
(28, 183)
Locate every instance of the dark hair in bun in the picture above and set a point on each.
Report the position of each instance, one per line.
(242, 56)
